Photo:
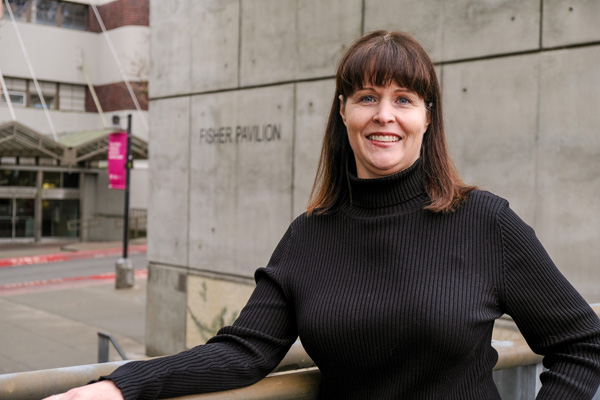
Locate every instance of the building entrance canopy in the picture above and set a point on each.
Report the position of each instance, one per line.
(18, 140)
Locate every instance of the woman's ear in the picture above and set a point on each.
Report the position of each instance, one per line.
(342, 108)
(428, 108)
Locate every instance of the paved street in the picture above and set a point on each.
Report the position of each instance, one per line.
(50, 313)
(64, 269)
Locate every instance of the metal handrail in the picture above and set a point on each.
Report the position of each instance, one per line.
(292, 373)
(301, 382)
(103, 340)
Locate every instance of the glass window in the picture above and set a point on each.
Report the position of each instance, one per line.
(11, 177)
(19, 9)
(16, 84)
(6, 215)
(48, 91)
(6, 208)
(55, 217)
(36, 102)
(17, 90)
(72, 97)
(51, 180)
(44, 12)
(24, 217)
(71, 180)
(17, 218)
(74, 16)
(16, 98)
(48, 12)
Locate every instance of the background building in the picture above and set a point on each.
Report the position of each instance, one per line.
(52, 184)
(239, 94)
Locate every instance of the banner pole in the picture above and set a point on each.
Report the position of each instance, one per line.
(124, 267)
(128, 162)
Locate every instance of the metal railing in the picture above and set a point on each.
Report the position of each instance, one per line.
(516, 374)
(103, 340)
(294, 378)
(138, 223)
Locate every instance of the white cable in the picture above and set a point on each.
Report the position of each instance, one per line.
(7, 97)
(33, 76)
(116, 58)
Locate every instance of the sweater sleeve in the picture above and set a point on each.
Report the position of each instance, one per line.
(552, 316)
(239, 355)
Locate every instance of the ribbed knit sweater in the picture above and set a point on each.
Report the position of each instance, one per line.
(392, 301)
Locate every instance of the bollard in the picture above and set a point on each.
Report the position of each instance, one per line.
(124, 272)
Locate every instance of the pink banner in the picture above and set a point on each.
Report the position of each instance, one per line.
(117, 152)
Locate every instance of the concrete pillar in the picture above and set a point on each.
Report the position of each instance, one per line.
(37, 212)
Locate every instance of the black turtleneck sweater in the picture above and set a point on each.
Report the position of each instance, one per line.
(395, 302)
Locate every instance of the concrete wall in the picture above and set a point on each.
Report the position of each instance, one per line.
(522, 122)
(57, 54)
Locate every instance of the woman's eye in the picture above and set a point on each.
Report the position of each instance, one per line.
(367, 99)
(404, 101)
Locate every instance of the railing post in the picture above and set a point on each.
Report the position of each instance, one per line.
(102, 348)
(103, 339)
(519, 383)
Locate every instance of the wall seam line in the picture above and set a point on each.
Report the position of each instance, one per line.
(439, 63)
(295, 119)
(239, 54)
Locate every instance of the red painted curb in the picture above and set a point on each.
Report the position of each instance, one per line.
(18, 288)
(71, 255)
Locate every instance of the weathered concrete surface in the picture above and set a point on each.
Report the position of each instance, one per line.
(214, 59)
(285, 40)
(240, 177)
(268, 48)
(425, 22)
(313, 101)
(165, 310)
(169, 161)
(474, 28)
(324, 29)
(567, 210)
(212, 304)
(570, 22)
(451, 30)
(491, 119)
(170, 44)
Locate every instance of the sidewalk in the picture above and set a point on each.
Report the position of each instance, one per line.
(56, 325)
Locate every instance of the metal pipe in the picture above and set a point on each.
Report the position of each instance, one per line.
(39, 384)
(128, 166)
(103, 339)
(297, 384)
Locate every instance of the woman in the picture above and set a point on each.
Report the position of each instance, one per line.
(395, 275)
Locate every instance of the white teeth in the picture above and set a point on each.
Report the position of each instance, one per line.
(383, 138)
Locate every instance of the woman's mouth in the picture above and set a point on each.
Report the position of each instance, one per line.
(384, 138)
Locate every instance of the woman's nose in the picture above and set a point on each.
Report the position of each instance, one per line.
(384, 113)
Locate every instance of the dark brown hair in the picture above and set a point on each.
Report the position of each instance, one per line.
(380, 58)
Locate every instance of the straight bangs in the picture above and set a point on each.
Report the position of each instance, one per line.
(384, 60)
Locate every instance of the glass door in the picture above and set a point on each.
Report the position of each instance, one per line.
(17, 218)
(24, 219)
(6, 218)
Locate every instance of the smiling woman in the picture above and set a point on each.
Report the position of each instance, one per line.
(395, 275)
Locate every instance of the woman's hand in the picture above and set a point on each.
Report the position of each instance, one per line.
(105, 390)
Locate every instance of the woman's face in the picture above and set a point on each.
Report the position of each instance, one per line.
(385, 128)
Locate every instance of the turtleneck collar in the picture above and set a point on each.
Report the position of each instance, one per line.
(389, 190)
